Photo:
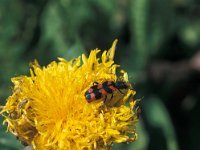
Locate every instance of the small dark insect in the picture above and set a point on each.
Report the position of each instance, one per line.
(97, 91)
(22, 103)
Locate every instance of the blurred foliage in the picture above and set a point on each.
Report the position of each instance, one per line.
(158, 40)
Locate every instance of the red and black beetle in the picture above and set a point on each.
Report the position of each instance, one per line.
(98, 90)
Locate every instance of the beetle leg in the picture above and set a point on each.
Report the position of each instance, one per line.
(105, 99)
(95, 83)
(120, 91)
(111, 96)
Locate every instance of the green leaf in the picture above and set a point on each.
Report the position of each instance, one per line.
(160, 122)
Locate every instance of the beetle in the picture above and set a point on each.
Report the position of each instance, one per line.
(98, 90)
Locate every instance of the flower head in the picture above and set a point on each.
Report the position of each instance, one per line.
(48, 109)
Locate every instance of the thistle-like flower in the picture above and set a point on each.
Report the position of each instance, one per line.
(49, 110)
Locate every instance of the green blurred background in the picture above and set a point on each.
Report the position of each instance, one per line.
(158, 45)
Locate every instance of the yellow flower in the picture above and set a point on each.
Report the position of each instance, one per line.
(49, 111)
